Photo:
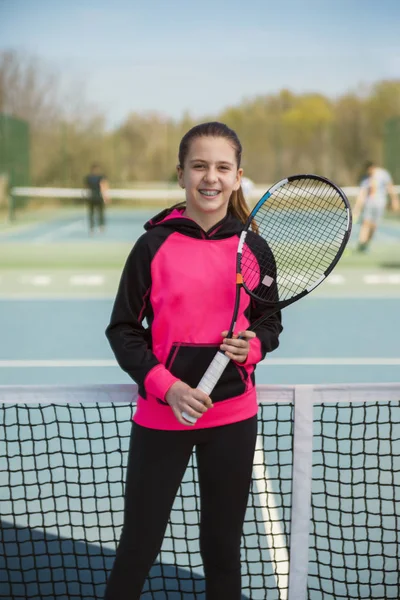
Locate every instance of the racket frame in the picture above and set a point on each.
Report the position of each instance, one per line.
(220, 361)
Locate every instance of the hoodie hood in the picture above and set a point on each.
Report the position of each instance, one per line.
(173, 218)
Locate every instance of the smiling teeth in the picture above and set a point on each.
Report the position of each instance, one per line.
(209, 193)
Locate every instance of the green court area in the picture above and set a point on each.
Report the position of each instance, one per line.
(98, 279)
(50, 253)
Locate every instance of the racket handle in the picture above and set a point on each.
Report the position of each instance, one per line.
(213, 373)
(210, 378)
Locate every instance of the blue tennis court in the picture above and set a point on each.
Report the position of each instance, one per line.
(57, 286)
(325, 340)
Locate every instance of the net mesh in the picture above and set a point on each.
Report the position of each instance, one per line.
(355, 534)
(62, 506)
(61, 501)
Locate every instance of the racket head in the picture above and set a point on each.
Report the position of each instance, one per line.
(293, 239)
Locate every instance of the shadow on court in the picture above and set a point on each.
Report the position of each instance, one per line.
(35, 565)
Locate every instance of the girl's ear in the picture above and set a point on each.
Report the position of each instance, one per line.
(238, 180)
(179, 171)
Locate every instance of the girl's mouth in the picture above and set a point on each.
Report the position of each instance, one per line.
(209, 193)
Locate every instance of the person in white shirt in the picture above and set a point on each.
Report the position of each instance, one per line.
(371, 202)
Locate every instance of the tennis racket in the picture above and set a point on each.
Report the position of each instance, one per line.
(292, 240)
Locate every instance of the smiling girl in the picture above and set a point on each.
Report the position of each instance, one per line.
(178, 279)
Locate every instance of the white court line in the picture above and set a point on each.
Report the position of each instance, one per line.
(55, 297)
(36, 280)
(55, 233)
(370, 279)
(15, 230)
(336, 279)
(271, 520)
(86, 280)
(363, 361)
(37, 364)
(379, 279)
(77, 294)
(98, 363)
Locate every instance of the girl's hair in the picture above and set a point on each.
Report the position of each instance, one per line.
(237, 203)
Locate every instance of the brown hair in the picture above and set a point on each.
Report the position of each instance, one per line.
(237, 203)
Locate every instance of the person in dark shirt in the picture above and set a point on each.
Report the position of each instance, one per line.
(97, 184)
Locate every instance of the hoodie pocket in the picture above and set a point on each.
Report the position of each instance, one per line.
(189, 362)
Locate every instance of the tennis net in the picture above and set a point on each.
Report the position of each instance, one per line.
(326, 477)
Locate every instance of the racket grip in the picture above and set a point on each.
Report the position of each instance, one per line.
(213, 373)
(210, 378)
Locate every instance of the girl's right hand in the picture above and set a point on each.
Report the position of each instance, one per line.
(182, 398)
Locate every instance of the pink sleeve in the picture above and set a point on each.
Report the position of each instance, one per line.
(254, 356)
(158, 381)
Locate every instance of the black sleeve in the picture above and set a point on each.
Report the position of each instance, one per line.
(129, 339)
(267, 332)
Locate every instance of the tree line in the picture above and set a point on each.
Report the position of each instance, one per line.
(282, 133)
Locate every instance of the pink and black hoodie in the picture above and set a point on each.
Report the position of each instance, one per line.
(175, 297)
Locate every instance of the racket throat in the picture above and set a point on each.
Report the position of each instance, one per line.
(231, 330)
(239, 281)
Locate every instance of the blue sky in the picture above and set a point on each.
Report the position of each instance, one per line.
(173, 56)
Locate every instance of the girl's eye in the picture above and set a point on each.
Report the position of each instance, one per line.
(198, 166)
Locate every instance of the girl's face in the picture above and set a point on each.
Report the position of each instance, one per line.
(209, 176)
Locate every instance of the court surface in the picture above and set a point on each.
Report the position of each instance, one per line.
(57, 286)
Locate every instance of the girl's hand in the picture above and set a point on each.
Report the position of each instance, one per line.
(236, 349)
(182, 398)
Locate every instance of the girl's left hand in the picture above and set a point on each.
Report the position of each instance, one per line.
(236, 349)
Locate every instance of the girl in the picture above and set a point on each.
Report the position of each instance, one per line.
(179, 277)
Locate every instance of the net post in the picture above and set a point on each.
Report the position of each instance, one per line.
(301, 491)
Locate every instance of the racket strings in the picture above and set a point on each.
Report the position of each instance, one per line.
(313, 255)
(303, 224)
(312, 237)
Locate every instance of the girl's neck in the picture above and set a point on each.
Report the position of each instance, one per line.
(204, 220)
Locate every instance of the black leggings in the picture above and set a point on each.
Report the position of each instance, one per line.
(156, 465)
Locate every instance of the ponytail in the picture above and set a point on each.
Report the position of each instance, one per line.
(239, 208)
